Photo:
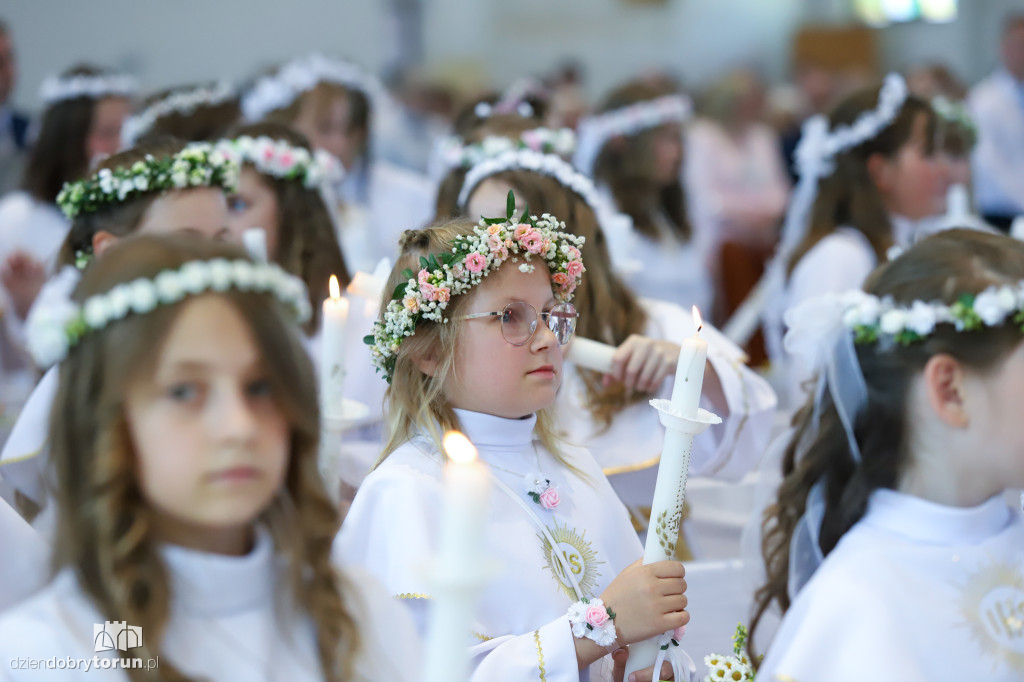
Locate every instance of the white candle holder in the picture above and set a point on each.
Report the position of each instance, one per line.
(694, 426)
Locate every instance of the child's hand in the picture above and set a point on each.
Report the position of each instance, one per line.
(642, 363)
(619, 659)
(23, 277)
(647, 600)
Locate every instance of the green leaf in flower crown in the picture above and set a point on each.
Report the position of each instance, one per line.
(424, 263)
(369, 340)
(408, 274)
(494, 221)
(525, 217)
(399, 292)
(510, 205)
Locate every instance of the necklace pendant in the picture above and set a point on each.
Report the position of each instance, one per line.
(540, 490)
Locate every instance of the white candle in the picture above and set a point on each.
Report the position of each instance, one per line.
(332, 351)
(591, 355)
(459, 565)
(255, 241)
(693, 355)
(368, 286)
(670, 486)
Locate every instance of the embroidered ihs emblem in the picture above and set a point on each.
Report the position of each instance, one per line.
(992, 603)
(580, 558)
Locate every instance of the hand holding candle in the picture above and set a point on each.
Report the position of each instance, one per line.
(459, 566)
(332, 351)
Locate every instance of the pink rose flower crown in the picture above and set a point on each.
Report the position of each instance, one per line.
(425, 295)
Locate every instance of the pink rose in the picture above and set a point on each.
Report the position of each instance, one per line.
(493, 229)
(574, 253)
(560, 278)
(521, 230)
(596, 616)
(287, 160)
(423, 275)
(427, 291)
(444, 294)
(549, 498)
(268, 154)
(531, 139)
(533, 242)
(475, 262)
(678, 633)
(574, 268)
(494, 242)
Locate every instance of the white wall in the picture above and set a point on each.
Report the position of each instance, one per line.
(166, 43)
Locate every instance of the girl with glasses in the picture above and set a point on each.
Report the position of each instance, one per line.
(473, 340)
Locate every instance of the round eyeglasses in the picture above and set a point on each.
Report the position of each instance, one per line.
(519, 321)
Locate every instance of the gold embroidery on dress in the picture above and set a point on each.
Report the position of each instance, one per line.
(992, 604)
(540, 656)
(579, 554)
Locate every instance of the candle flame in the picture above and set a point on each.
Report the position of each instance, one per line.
(335, 289)
(697, 319)
(459, 448)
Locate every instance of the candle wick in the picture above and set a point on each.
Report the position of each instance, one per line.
(699, 328)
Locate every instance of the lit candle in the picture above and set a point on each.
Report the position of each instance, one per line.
(255, 241)
(458, 569)
(682, 420)
(368, 286)
(332, 351)
(591, 355)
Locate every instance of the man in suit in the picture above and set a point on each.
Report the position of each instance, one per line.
(13, 126)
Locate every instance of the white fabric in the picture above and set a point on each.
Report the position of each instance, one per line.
(388, 200)
(227, 622)
(29, 225)
(629, 449)
(997, 105)
(392, 528)
(23, 458)
(918, 590)
(23, 562)
(732, 183)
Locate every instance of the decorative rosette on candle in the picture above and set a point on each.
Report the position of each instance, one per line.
(425, 295)
(540, 490)
(590, 618)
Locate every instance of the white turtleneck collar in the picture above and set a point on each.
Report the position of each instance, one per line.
(216, 585)
(935, 523)
(497, 433)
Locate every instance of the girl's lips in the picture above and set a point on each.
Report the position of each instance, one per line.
(237, 474)
(545, 370)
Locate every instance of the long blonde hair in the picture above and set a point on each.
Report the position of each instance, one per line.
(415, 402)
(105, 528)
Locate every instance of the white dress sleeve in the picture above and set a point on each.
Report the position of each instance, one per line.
(390, 530)
(390, 648)
(23, 560)
(23, 458)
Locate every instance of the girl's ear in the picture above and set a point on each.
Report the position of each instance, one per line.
(428, 361)
(101, 241)
(944, 387)
(880, 172)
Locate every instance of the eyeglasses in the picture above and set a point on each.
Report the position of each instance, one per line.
(519, 321)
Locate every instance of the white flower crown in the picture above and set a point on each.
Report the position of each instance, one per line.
(426, 294)
(181, 102)
(54, 331)
(197, 165)
(59, 88)
(455, 153)
(535, 162)
(280, 159)
(280, 89)
(595, 131)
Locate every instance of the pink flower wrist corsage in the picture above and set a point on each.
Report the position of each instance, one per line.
(590, 618)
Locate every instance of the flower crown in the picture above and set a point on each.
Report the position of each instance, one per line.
(425, 295)
(182, 102)
(59, 88)
(956, 113)
(535, 162)
(282, 160)
(454, 153)
(197, 165)
(280, 89)
(595, 131)
(54, 331)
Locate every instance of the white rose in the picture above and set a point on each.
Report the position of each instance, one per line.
(169, 287)
(243, 274)
(48, 344)
(921, 319)
(179, 179)
(97, 312)
(220, 274)
(195, 277)
(143, 296)
(141, 183)
(989, 307)
(119, 299)
(893, 321)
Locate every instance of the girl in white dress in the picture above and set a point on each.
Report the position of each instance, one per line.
(338, 106)
(896, 475)
(871, 173)
(191, 515)
(103, 210)
(609, 413)
(85, 107)
(634, 150)
(556, 527)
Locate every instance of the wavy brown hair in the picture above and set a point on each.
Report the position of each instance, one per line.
(123, 217)
(105, 527)
(941, 267)
(848, 196)
(609, 310)
(624, 165)
(415, 402)
(307, 244)
(321, 97)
